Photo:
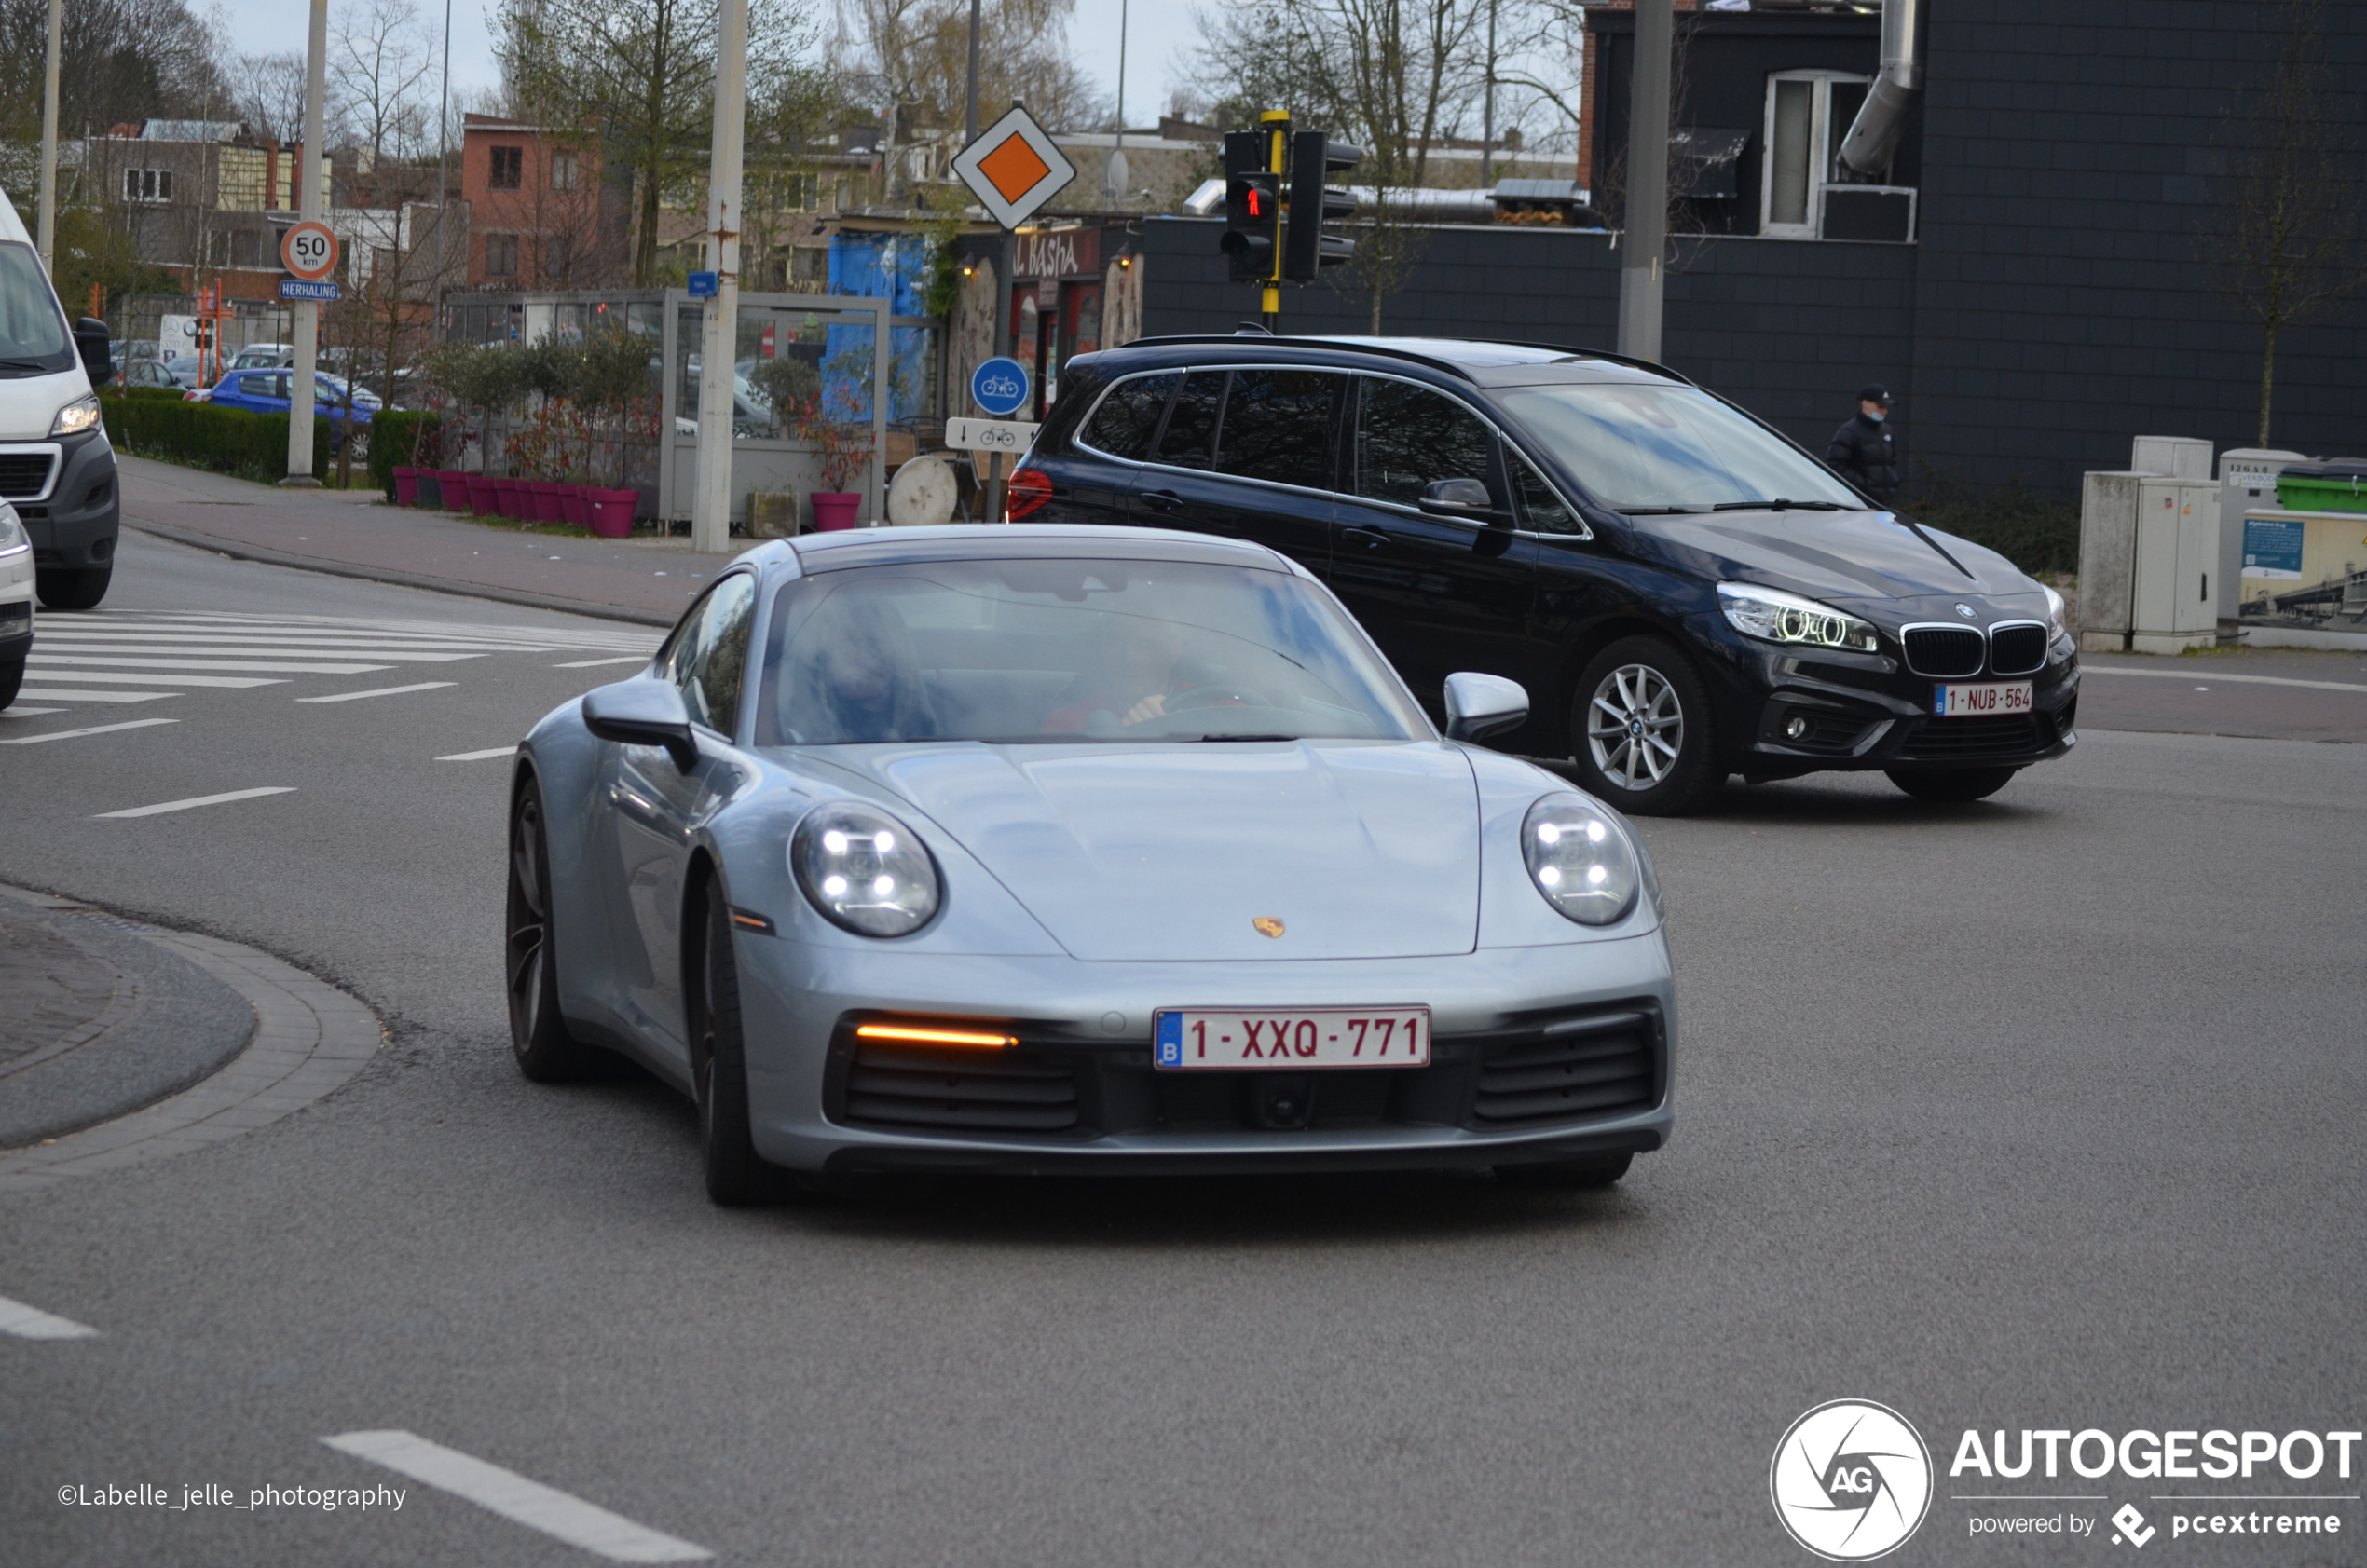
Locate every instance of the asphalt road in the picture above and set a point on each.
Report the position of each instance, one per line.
(2042, 1112)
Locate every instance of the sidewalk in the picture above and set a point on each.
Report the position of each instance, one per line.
(351, 533)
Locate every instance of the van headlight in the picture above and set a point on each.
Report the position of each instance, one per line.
(76, 417)
(864, 870)
(1582, 860)
(1774, 616)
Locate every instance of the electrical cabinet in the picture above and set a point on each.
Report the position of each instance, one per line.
(2173, 604)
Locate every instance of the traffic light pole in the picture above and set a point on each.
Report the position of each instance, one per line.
(1276, 123)
(1640, 279)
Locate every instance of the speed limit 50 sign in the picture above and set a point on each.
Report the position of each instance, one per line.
(310, 250)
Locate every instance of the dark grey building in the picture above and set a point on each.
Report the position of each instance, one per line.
(2068, 160)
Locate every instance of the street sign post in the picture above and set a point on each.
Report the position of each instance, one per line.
(992, 436)
(308, 252)
(299, 288)
(1013, 169)
(999, 386)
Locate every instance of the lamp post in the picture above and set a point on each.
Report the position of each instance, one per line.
(1640, 276)
(307, 311)
(46, 235)
(711, 503)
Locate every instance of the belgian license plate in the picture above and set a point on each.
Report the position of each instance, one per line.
(1295, 1038)
(1980, 701)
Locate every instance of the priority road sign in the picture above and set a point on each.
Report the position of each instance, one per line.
(310, 250)
(1013, 167)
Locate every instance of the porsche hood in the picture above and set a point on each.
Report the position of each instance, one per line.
(1224, 851)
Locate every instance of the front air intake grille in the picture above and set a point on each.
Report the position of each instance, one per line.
(980, 1091)
(2019, 649)
(2000, 736)
(1944, 652)
(1602, 1064)
(25, 474)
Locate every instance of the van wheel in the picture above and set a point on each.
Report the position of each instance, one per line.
(1642, 730)
(77, 590)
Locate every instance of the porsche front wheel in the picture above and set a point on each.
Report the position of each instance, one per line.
(736, 1176)
(539, 1036)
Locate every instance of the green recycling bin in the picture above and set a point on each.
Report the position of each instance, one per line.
(2336, 486)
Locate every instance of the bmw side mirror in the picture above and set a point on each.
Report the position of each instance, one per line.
(1478, 705)
(1458, 497)
(97, 354)
(643, 712)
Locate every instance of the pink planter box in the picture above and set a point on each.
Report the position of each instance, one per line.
(612, 513)
(834, 510)
(482, 498)
(406, 486)
(546, 501)
(454, 487)
(506, 496)
(572, 506)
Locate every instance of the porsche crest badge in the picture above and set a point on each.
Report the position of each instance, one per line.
(1267, 925)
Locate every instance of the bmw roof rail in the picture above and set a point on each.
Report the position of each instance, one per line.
(1367, 346)
(1653, 366)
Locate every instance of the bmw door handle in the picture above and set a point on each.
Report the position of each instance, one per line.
(1161, 500)
(1364, 536)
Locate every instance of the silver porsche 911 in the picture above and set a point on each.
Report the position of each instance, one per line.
(1052, 848)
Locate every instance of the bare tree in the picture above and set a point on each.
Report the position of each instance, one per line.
(382, 67)
(2280, 243)
(267, 90)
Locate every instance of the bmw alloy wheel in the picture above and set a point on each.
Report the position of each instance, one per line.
(1634, 726)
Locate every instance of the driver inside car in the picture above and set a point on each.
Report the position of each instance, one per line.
(1135, 676)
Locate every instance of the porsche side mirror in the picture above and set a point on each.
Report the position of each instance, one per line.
(97, 354)
(643, 712)
(1457, 498)
(1478, 706)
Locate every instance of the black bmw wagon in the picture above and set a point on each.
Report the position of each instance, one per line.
(1684, 593)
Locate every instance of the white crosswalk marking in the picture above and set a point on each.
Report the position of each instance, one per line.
(512, 1496)
(196, 801)
(31, 1323)
(111, 658)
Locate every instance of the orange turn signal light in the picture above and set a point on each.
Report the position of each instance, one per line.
(931, 1034)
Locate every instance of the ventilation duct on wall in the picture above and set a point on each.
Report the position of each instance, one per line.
(1874, 132)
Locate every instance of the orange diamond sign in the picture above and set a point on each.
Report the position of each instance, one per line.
(1013, 167)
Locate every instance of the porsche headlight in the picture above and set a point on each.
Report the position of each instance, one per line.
(1582, 860)
(76, 417)
(863, 869)
(2056, 612)
(1777, 617)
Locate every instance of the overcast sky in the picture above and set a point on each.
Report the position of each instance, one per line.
(1159, 36)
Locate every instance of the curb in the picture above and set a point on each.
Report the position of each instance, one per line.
(309, 1039)
(269, 557)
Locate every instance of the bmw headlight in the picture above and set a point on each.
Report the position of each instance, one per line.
(1581, 859)
(863, 869)
(1774, 616)
(76, 417)
(2056, 612)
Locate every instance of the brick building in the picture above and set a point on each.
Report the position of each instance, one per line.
(541, 213)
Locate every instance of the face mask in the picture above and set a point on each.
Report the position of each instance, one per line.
(1878, 418)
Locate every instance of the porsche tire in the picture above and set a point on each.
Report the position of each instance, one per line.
(1951, 784)
(736, 1174)
(1568, 1175)
(1642, 731)
(538, 1037)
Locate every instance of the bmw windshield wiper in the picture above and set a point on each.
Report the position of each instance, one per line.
(1249, 737)
(1657, 510)
(1778, 504)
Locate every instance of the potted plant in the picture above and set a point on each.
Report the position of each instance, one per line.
(842, 449)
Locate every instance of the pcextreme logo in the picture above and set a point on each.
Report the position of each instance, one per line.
(1851, 1481)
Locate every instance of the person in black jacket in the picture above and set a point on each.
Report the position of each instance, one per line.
(1863, 449)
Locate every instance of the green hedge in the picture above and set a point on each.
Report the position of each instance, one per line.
(149, 395)
(2037, 533)
(202, 436)
(394, 437)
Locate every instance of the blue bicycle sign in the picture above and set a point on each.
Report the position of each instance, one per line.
(999, 386)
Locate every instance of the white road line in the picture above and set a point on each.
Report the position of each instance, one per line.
(479, 755)
(133, 678)
(512, 1496)
(210, 651)
(61, 695)
(298, 639)
(596, 663)
(381, 691)
(2214, 675)
(82, 661)
(76, 735)
(35, 712)
(194, 800)
(31, 1323)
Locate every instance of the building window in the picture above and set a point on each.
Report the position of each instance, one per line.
(501, 254)
(508, 168)
(810, 263)
(1807, 113)
(147, 184)
(564, 170)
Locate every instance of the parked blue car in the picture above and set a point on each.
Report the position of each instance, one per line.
(266, 391)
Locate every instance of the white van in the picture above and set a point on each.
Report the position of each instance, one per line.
(57, 472)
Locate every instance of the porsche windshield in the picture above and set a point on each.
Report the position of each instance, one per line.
(1664, 448)
(1070, 651)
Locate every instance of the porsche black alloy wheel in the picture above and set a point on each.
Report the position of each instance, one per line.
(78, 589)
(1601, 1170)
(1641, 728)
(539, 1035)
(735, 1175)
(1951, 784)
